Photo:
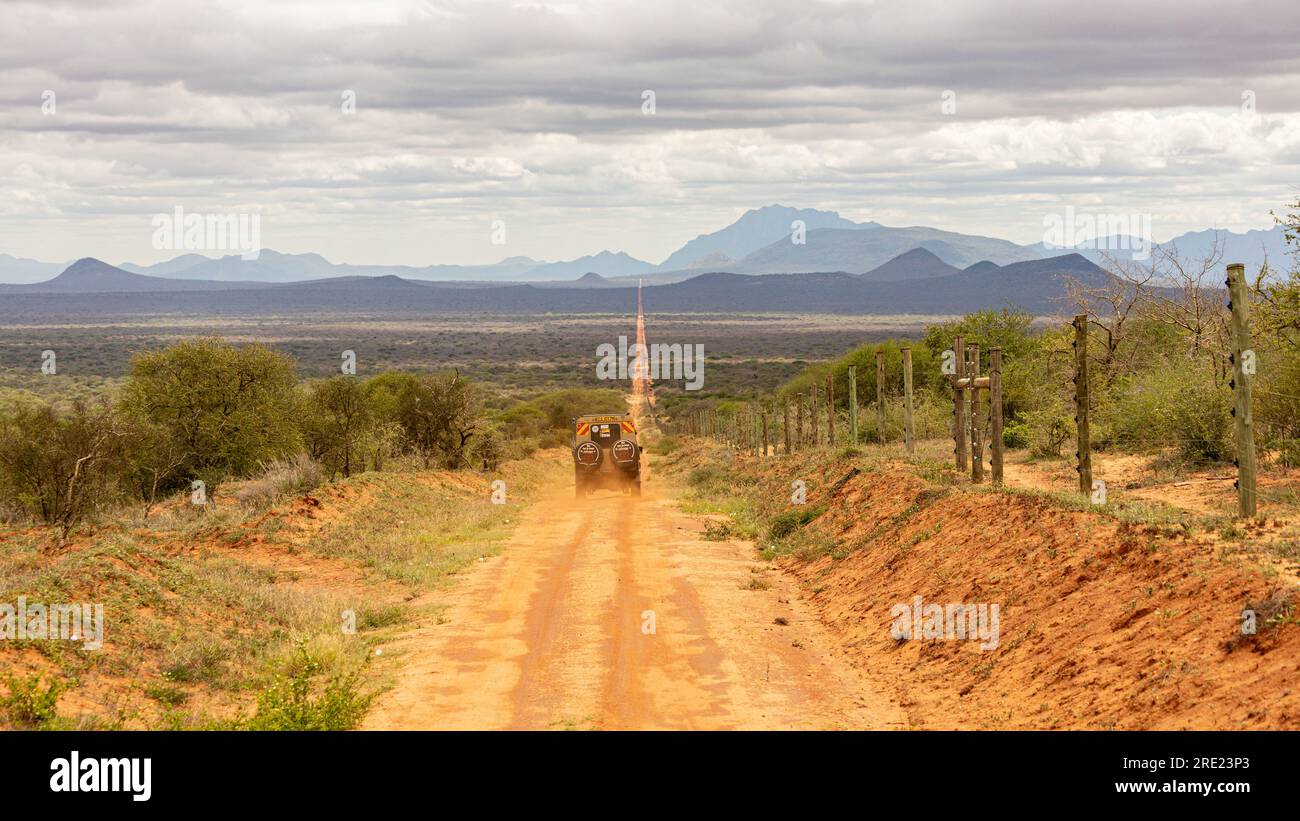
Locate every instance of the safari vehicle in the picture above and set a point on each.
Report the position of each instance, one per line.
(606, 454)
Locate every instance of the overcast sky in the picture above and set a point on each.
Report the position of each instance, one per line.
(532, 114)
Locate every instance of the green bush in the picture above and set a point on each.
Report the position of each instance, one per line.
(786, 523)
(1048, 432)
(708, 476)
(289, 703)
(59, 467)
(439, 415)
(28, 705)
(1288, 451)
(1178, 407)
(165, 693)
(230, 409)
(1016, 434)
(547, 420)
(665, 446)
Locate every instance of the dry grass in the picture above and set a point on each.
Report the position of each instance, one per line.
(205, 608)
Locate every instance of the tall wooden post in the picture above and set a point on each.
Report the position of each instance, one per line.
(765, 450)
(880, 395)
(830, 409)
(1243, 374)
(909, 432)
(785, 424)
(995, 413)
(812, 413)
(799, 412)
(976, 422)
(1084, 453)
(959, 403)
(853, 405)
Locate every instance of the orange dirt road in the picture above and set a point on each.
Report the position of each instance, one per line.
(613, 613)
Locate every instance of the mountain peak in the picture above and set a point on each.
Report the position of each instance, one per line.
(914, 263)
(89, 267)
(755, 229)
(981, 267)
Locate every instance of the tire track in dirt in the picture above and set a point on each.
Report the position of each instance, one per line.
(550, 634)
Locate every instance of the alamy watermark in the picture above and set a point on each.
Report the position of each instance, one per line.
(1099, 232)
(656, 361)
(179, 231)
(951, 622)
(77, 774)
(33, 621)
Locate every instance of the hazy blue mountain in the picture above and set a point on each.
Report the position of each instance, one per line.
(758, 242)
(18, 269)
(507, 270)
(1251, 248)
(589, 280)
(273, 266)
(270, 266)
(918, 263)
(93, 276)
(755, 229)
(981, 267)
(860, 250)
(168, 268)
(96, 289)
(606, 263)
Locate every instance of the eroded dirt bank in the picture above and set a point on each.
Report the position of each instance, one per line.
(1103, 623)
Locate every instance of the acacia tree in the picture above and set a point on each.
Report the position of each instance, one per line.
(230, 409)
(153, 458)
(60, 467)
(439, 414)
(1194, 302)
(1112, 307)
(338, 422)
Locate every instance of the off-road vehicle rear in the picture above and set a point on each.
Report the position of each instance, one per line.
(606, 454)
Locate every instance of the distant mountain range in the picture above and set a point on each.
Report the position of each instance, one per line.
(1252, 248)
(916, 282)
(759, 242)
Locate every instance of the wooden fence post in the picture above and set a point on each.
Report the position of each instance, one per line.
(853, 405)
(799, 412)
(765, 450)
(830, 409)
(976, 422)
(909, 432)
(1243, 374)
(1084, 453)
(812, 414)
(995, 413)
(880, 395)
(785, 424)
(959, 403)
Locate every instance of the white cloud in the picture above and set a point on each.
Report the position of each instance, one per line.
(531, 112)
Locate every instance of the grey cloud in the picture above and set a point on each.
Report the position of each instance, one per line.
(466, 109)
